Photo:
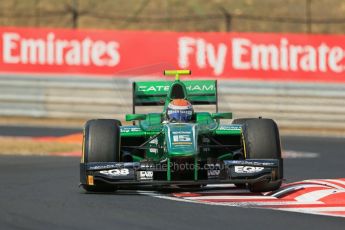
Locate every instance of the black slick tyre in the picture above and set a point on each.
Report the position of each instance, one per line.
(261, 140)
(101, 144)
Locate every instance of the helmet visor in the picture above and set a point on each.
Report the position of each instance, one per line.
(182, 115)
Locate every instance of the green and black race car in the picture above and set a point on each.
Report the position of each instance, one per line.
(162, 152)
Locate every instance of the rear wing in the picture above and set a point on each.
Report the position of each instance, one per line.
(151, 93)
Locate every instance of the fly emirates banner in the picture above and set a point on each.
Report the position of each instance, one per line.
(257, 56)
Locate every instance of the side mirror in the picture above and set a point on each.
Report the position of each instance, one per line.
(221, 115)
(135, 117)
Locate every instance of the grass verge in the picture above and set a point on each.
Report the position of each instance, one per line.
(28, 146)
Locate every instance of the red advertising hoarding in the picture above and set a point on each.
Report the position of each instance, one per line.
(262, 56)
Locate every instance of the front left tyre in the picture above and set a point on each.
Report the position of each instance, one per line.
(261, 140)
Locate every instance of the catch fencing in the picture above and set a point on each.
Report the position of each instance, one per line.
(298, 106)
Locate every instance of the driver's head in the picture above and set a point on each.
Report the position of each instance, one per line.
(179, 110)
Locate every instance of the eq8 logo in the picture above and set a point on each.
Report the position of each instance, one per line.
(248, 169)
(115, 172)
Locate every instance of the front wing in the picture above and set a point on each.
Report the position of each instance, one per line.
(144, 173)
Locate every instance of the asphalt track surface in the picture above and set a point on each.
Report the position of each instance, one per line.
(32, 131)
(42, 193)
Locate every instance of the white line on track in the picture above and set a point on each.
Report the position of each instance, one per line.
(299, 154)
(317, 195)
(324, 182)
(336, 181)
(232, 198)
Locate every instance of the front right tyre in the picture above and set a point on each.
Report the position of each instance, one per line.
(101, 143)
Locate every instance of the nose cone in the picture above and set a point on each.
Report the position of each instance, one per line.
(181, 139)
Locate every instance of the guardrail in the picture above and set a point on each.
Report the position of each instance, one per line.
(307, 106)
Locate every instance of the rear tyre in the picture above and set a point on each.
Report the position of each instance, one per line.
(101, 144)
(241, 120)
(241, 186)
(261, 141)
(191, 186)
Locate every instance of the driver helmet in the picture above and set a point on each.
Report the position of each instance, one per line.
(179, 110)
